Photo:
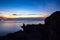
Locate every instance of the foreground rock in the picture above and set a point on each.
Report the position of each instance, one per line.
(52, 24)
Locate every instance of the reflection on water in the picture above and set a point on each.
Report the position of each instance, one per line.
(13, 26)
(9, 26)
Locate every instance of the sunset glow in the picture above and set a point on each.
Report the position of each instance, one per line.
(28, 9)
(24, 16)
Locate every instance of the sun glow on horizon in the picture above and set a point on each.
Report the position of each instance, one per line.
(24, 16)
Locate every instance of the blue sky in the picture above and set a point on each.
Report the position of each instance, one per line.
(43, 7)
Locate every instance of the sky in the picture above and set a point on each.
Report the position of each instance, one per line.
(28, 7)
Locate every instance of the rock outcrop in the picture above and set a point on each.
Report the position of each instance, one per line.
(52, 24)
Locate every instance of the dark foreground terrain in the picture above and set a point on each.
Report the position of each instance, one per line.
(49, 31)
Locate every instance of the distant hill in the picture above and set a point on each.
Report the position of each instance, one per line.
(26, 19)
(4, 18)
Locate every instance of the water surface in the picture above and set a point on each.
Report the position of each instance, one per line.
(11, 26)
